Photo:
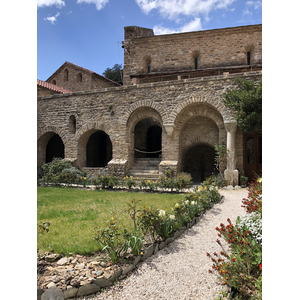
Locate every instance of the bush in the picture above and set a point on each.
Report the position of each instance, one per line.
(182, 180)
(242, 268)
(105, 181)
(61, 171)
(111, 240)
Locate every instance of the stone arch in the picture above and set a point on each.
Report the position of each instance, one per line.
(151, 117)
(144, 104)
(44, 136)
(212, 102)
(198, 123)
(83, 136)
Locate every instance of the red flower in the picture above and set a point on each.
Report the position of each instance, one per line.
(234, 259)
(260, 266)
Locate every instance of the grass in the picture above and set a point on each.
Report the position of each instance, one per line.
(75, 215)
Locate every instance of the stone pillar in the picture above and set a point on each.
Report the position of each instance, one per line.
(231, 175)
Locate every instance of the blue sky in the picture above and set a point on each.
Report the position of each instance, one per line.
(89, 32)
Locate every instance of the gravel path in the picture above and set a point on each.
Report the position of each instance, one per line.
(180, 271)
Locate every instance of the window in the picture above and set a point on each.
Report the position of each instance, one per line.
(66, 75)
(79, 77)
(195, 59)
(196, 63)
(248, 58)
(72, 124)
(54, 82)
(147, 64)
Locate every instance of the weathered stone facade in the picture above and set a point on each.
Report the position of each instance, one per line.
(76, 78)
(174, 117)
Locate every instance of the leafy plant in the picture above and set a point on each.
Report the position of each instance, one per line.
(111, 240)
(182, 180)
(166, 225)
(220, 158)
(134, 241)
(246, 102)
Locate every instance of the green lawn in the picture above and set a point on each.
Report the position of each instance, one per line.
(75, 214)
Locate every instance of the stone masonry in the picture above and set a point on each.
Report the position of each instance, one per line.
(188, 111)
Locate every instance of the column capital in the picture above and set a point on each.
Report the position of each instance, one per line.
(169, 129)
(230, 126)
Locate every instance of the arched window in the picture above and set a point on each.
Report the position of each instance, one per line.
(72, 124)
(195, 59)
(79, 77)
(54, 82)
(248, 58)
(147, 64)
(66, 75)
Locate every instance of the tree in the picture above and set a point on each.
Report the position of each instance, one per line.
(115, 73)
(246, 102)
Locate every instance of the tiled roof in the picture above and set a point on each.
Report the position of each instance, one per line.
(52, 87)
(83, 69)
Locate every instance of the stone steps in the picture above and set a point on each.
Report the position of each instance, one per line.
(145, 168)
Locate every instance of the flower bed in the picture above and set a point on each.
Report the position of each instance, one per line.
(152, 230)
(241, 267)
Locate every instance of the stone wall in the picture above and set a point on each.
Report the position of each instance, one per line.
(144, 52)
(76, 79)
(116, 111)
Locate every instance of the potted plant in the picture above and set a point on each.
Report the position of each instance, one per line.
(243, 180)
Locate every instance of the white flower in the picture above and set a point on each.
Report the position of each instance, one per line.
(161, 213)
(172, 217)
(186, 202)
(193, 203)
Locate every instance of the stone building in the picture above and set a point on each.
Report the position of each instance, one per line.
(168, 113)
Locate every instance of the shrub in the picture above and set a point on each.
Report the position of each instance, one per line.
(61, 171)
(111, 240)
(241, 268)
(105, 181)
(166, 226)
(182, 180)
(129, 182)
(254, 200)
(214, 180)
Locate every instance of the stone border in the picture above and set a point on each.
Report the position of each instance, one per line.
(97, 284)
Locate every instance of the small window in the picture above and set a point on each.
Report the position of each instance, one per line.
(79, 77)
(248, 58)
(196, 63)
(54, 82)
(72, 124)
(147, 64)
(66, 75)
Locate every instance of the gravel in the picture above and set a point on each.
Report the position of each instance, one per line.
(180, 271)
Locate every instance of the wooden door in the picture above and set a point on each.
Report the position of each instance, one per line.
(252, 155)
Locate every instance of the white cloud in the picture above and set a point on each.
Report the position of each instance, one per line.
(58, 3)
(255, 4)
(99, 3)
(194, 25)
(53, 18)
(174, 8)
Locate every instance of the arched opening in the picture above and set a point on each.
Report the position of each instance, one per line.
(55, 148)
(66, 75)
(98, 150)
(147, 138)
(72, 124)
(79, 77)
(198, 160)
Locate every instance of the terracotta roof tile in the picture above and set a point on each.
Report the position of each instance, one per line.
(52, 87)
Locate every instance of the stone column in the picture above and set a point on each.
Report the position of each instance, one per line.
(231, 175)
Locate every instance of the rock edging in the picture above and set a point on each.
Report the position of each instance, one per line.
(94, 285)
